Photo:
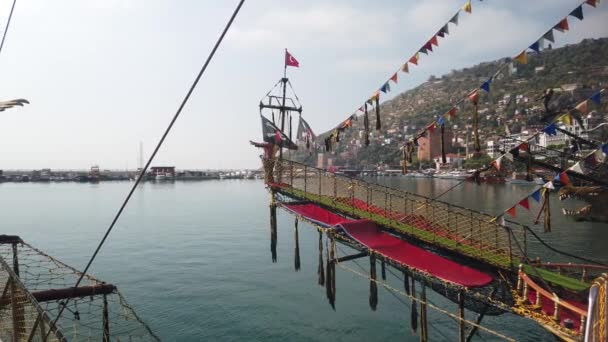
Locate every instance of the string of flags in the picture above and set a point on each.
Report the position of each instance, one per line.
(374, 100)
(522, 58)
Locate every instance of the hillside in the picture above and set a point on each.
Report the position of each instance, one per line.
(576, 71)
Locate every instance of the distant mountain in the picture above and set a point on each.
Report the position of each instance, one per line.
(575, 71)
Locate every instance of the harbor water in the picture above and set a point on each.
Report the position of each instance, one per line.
(194, 260)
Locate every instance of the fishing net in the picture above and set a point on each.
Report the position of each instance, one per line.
(33, 297)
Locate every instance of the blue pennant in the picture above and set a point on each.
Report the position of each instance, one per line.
(551, 129)
(596, 98)
(535, 46)
(536, 195)
(385, 88)
(577, 12)
(440, 121)
(556, 178)
(486, 85)
(605, 148)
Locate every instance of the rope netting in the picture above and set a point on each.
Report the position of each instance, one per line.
(455, 228)
(41, 285)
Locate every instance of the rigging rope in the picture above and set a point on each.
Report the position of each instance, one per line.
(8, 22)
(156, 149)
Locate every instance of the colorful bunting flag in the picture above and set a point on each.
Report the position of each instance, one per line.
(443, 31)
(385, 87)
(549, 185)
(440, 120)
(591, 2)
(454, 19)
(551, 129)
(524, 146)
(394, 78)
(512, 211)
(605, 148)
(536, 195)
(497, 162)
(486, 85)
(562, 25)
(452, 112)
(474, 96)
(522, 58)
(467, 7)
(424, 50)
(566, 119)
(596, 98)
(434, 41)
(582, 107)
(563, 177)
(509, 156)
(514, 152)
(577, 168)
(431, 127)
(549, 36)
(414, 59)
(525, 203)
(405, 68)
(578, 12)
(428, 46)
(535, 46)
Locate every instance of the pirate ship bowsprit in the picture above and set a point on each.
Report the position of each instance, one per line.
(37, 286)
(463, 254)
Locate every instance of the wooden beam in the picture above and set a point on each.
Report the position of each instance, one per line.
(350, 257)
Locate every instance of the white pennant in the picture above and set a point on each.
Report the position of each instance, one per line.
(508, 155)
(549, 185)
(577, 168)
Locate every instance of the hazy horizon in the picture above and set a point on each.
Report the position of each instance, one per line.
(102, 76)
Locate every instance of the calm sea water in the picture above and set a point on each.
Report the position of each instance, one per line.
(194, 260)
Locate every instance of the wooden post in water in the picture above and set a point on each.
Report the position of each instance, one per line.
(273, 226)
(461, 326)
(424, 333)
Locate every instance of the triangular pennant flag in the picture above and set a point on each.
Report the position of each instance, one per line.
(394, 78)
(578, 12)
(522, 58)
(454, 19)
(509, 156)
(474, 96)
(605, 148)
(549, 185)
(596, 98)
(370, 101)
(563, 177)
(376, 96)
(577, 168)
(443, 31)
(362, 108)
(452, 112)
(535, 46)
(591, 2)
(566, 119)
(582, 107)
(551, 129)
(440, 121)
(428, 46)
(405, 68)
(524, 146)
(424, 50)
(549, 36)
(434, 41)
(525, 203)
(536, 195)
(467, 7)
(562, 25)
(502, 221)
(431, 127)
(514, 152)
(486, 85)
(512, 211)
(385, 87)
(414, 59)
(497, 162)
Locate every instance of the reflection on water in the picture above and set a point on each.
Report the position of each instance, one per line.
(194, 260)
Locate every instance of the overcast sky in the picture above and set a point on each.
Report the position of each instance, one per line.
(104, 75)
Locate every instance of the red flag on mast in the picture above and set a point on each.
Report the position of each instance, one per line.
(290, 60)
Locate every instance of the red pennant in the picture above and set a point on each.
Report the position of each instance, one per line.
(428, 46)
(414, 59)
(525, 203)
(591, 2)
(474, 97)
(563, 178)
(433, 41)
(524, 147)
(512, 211)
(431, 128)
(362, 108)
(394, 78)
(452, 112)
(562, 25)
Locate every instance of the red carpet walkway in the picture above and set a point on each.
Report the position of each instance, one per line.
(368, 234)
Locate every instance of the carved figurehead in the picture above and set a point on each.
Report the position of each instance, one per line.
(596, 198)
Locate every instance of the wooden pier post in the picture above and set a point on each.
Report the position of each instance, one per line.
(273, 226)
(461, 326)
(424, 333)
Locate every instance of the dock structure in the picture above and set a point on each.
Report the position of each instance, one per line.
(36, 286)
(479, 263)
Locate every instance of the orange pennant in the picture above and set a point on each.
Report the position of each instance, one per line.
(405, 68)
(522, 58)
(563, 178)
(562, 25)
(452, 112)
(524, 146)
(394, 78)
(414, 59)
(512, 211)
(582, 107)
(433, 41)
(474, 96)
